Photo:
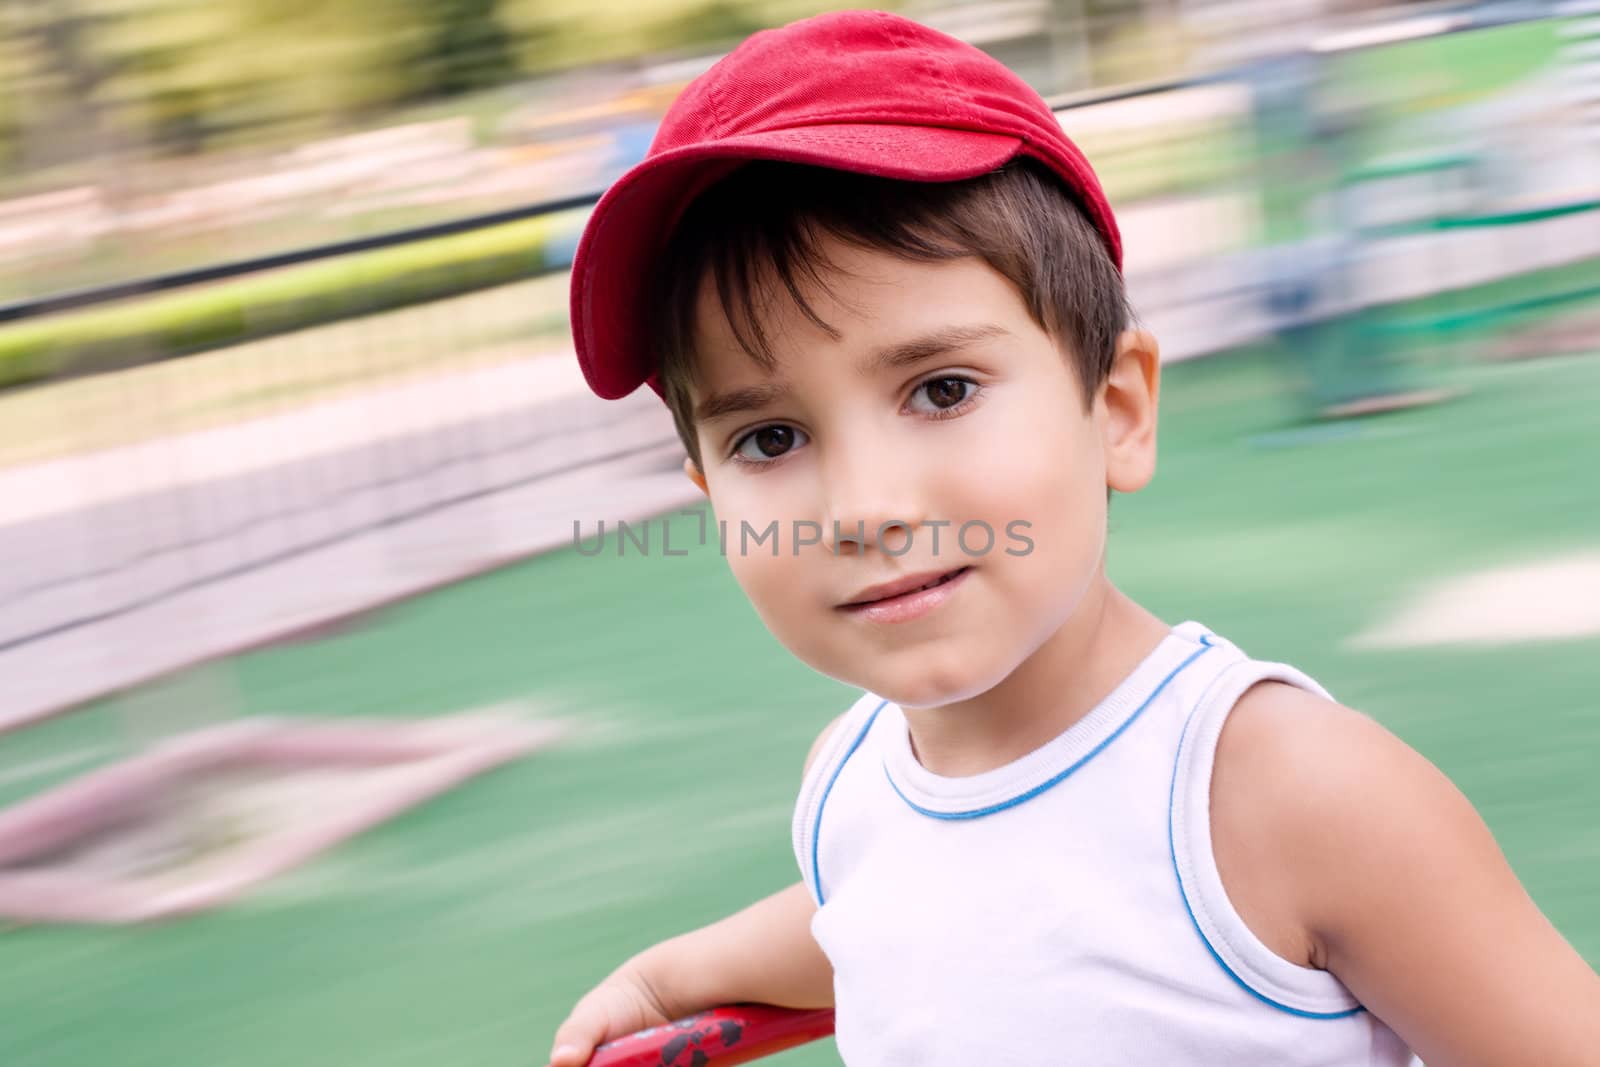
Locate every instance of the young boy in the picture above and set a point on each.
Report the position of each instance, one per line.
(880, 291)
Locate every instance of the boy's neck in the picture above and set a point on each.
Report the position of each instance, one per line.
(1073, 671)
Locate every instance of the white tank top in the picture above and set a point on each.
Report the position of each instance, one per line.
(1065, 907)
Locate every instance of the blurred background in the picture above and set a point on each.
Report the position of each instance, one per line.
(292, 439)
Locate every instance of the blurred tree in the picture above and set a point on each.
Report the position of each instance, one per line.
(565, 34)
(1069, 42)
(60, 74)
(717, 24)
(12, 62)
(456, 46)
(1132, 40)
(192, 71)
(82, 79)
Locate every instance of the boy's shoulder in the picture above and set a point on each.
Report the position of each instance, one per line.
(1290, 752)
(822, 738)
(1346, 844)
(1312, 805)
(1294, 769)
(830, 735)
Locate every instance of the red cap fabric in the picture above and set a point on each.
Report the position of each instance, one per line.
(861, 91)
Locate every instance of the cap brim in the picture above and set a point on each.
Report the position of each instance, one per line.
(631, 223)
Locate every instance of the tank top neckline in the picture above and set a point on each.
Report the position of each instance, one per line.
(974, 796)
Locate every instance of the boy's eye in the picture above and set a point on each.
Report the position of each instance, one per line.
(945, 393)
(767, 443)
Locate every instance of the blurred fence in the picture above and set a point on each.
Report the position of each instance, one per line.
(356, 428)
(127, 561)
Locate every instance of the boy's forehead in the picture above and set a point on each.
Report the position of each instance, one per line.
(886, 317)
(861, 295)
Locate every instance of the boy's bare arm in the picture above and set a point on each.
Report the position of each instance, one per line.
(1396, 886)
(764, 954)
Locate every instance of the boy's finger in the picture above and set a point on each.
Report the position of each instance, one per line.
(571, 1050)
(576, 1038)
(570, 1053)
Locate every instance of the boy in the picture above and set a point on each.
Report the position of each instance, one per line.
(881, 293)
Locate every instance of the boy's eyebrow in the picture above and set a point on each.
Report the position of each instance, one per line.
(891, 357)
(934, 343)
(752, 398)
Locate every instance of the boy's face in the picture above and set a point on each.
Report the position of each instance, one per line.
(940, 405)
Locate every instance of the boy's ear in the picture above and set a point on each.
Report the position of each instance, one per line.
(1129, 399)
(694, 475)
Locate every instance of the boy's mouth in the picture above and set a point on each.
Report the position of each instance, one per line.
(911, 583)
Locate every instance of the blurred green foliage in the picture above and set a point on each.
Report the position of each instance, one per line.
(82, 78)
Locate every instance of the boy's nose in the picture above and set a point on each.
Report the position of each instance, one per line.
(854, 538)
(870, 505)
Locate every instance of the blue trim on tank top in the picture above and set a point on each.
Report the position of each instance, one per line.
(816, 827)
(1172, 851)
(976, 813)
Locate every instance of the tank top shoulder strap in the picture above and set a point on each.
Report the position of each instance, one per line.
(1285, 985)
(1199, 675)
(841, 744)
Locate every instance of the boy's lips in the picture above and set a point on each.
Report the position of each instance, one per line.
(906, 597)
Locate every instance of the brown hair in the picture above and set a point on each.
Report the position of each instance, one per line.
(759, 233)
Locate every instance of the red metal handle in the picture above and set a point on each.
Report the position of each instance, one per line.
(722, 1036)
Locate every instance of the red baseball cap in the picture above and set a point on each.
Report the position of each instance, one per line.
(861, 91)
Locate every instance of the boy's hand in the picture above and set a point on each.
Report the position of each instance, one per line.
(620, 1005)
(708, 968)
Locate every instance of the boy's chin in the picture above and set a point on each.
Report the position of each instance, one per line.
(932, 688)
